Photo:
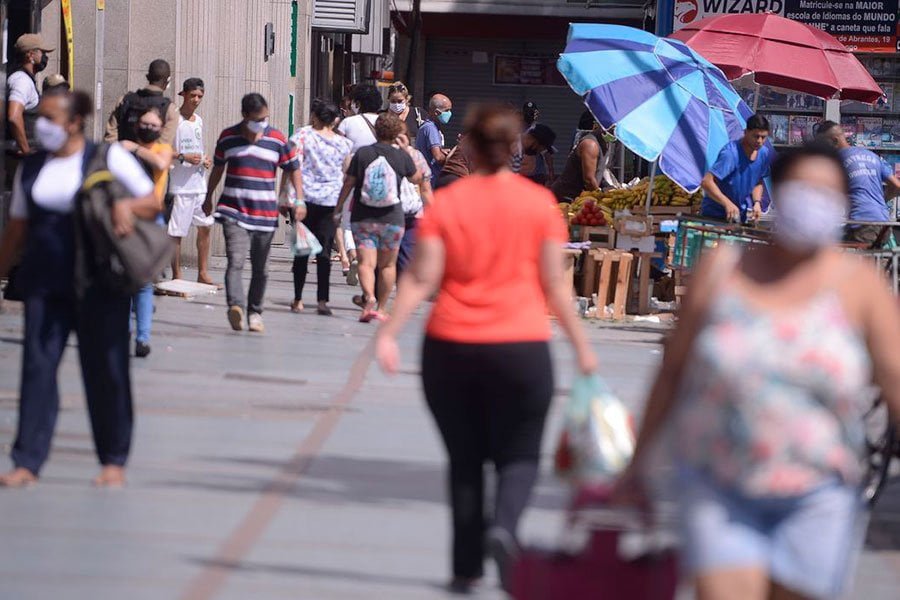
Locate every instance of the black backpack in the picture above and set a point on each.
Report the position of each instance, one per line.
(133, 105)
(121, 264)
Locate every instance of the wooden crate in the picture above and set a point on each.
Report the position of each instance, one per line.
(604, 237)
(614, 282)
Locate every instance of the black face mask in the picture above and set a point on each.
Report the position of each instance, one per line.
(45, 58)
(146, 135)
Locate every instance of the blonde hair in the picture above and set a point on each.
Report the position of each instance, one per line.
(398, 87)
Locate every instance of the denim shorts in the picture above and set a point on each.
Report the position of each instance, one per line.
(377, 236)
(807, 543)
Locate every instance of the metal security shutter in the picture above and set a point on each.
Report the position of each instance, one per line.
(464, 70)
(347, 16)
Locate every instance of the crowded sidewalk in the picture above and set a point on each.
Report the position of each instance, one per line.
(272, 467)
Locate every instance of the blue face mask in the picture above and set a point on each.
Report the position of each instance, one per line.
(445, 116)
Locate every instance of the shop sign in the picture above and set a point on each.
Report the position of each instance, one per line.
(527, 70)
(861, 25)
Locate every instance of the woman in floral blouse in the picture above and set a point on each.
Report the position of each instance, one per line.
(322, 154)
(765, 379)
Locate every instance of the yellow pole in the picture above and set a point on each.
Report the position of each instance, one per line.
(70, 39)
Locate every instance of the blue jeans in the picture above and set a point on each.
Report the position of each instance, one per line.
(808, 543)
(142, 307)
(407, 244)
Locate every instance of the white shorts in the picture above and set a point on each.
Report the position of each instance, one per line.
(349, 242)
(187, 210)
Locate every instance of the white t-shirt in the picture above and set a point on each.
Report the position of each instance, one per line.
(22, 89)
(186, 178)
(60, 179)
(355, 129)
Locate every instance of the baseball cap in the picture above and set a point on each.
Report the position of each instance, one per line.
(32, 41)
(544, 136)
(191, 84)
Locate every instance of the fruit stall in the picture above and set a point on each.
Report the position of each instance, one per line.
(624, 250)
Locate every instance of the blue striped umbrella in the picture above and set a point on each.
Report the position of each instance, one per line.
(667, 103)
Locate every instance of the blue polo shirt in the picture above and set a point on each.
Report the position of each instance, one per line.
(428, 137)
(737, 175)
(867, 172)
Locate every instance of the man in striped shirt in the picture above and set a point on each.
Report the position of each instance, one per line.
(248, 155)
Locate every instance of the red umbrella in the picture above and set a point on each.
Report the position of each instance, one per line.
(782, 53)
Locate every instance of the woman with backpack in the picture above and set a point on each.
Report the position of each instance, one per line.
(156, 159)
(376, 214)
(42, 221)
(322, 153)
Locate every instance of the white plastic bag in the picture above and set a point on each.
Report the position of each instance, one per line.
(597, 440)
(302, 241)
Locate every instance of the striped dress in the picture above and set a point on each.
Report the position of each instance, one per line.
(249, 195)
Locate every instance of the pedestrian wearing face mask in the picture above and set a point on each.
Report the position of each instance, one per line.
(430, 139)
(42, 223)
(400, 103)
(122, 123)
(763, 378)
(359, 127)
(22, 99)
(156, 158)
(249, 155)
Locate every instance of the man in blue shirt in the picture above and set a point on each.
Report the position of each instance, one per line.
(430, 139)
(734, 185)
(867, 173)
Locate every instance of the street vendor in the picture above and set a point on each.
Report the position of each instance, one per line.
(586, 163)
(867, 172)
(733, 188)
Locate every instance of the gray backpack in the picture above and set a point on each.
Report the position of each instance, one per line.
(122, 264)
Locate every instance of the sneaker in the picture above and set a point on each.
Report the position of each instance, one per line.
(502, 547)
(236, 317)
(255, 323)
(353, 274)
(141, 349)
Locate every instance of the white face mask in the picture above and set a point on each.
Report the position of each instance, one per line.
(50, 135)
(808, 217)
(397, 107)
(257, 126)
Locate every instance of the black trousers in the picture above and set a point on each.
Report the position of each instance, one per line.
(490, 402)
(320, 221)
(101, 323)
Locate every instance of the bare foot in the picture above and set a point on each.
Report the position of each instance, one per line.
(296, 306)
(18, 478)
(207, 280)
(110, 476)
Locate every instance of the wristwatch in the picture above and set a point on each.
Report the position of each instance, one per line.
(180, 157)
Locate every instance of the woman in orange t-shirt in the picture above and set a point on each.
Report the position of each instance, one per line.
(156, 159)
(492, 244)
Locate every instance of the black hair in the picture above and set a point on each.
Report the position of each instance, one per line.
(159, 71)
(325, 111)
(367, 96)
(252, 103)
(587, 120)
(155, 110)
(825, 126)
(191, 84)
(789, 159)
(78, 103)
(757, 123)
